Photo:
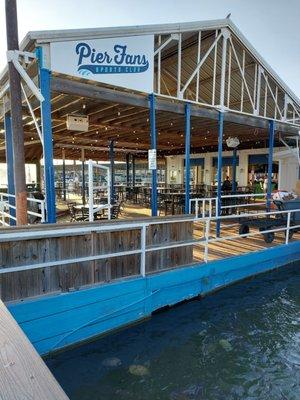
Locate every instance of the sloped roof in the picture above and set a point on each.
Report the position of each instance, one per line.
(49, 36)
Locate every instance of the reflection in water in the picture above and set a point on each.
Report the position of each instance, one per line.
(240, 343)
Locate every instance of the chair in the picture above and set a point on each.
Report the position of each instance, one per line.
(74, 214)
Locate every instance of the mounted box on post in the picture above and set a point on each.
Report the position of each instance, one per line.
(78, 123)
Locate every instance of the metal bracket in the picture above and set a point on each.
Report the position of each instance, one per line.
(14, 57)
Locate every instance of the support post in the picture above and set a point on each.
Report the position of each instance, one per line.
(133, 170)
(270, 162)
(187, 156)
(64, 186)
(10, 166)
(219, 172)
(45, 76)
(234, 164)
(127, 169)
(112, 171)
(83, 177)
(153, 147)
(38, 174)
(16, 115)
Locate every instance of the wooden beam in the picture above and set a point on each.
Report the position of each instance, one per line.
(23, 374)
(168, 105)
(97, 148)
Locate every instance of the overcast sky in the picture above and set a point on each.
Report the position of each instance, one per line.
(272, 26)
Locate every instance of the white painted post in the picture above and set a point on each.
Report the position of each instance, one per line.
(143, 249)
(223, 67)
(257, 109)
(159, 65)
(91, 190)
(215, 70)
(207, 230)
(197, 208)
(229, 76)
(2, 209)
(288, 224)
(198, 60)
(179, 67)
(108, 194)
(42, 211)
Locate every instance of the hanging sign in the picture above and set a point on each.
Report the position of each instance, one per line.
(121, 61)
(152, 159)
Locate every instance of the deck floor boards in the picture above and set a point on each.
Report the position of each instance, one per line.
(23, 374)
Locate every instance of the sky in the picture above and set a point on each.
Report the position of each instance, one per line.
(271, 26)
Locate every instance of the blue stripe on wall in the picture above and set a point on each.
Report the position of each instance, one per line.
(226, 161)
(194, 162)
(61, 320)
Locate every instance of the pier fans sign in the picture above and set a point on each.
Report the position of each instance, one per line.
(122, 61)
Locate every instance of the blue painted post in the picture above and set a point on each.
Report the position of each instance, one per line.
(112, 171)
(154, 147)
(219, 173)
(10, 166)
(270, 161)
(187, 156)
(45, 76)
(234, 163)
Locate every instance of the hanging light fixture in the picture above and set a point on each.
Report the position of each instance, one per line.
(232, 142)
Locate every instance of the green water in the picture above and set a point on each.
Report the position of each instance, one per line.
(240, 343)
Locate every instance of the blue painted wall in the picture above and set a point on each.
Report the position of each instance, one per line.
(60, 320)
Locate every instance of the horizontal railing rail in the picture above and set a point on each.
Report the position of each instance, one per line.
(7, 206)
(143, 249)
(208, 205)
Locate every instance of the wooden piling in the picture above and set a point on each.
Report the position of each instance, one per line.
(16, 114)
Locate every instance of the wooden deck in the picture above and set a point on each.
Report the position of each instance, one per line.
(23, 374)
(234, 247)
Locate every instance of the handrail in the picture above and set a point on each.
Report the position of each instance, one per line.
(6, 207)
(210, 200)
(143, 249)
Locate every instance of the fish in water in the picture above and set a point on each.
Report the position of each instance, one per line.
(138, 370)
(192, 392)
(112, 362)
(225, 344)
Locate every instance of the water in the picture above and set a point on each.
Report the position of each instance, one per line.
(240, 343)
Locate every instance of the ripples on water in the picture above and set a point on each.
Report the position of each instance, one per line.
(240, 343)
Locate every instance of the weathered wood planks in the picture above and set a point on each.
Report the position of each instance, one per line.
(23, 374)
(51, 243)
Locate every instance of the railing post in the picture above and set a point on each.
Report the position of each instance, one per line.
(288, 224)
(143, 249)
(234, 163)
(10, 166)
(91, 191)
(42, 211)
(2, 209)
(207, 230)
(270, 162)
(187, 155)
(219, 174)
(112, 170)
(64, 186)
